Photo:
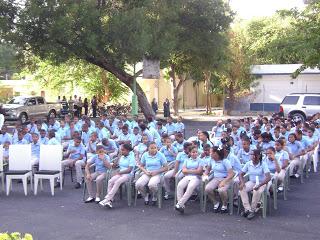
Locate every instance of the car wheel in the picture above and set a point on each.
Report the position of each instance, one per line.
(52, 114)
(23, 118)
(298, 117)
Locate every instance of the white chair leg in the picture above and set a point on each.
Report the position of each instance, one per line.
(36, 180)
(8, 185)
(61, 176)
(52, 186)
(25, 185)
(41, 185)
(31, 182)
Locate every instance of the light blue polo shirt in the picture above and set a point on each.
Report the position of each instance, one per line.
(282, 156)
(111, 146)
(295, 147)
(22, 141)
(5, 138)
(135, 139)
(154, 133)
(28, 137)
(99, 164)
(256, 170)
(79, 150)
(44, 140)
(235, 162)
(181, 158)
(35, 149)
(85, 137)
(192, 164)
(169, 156)
(244, 156)
(64, 132)
(179, 127)
(218, 131)
(220, 168)
(127, 161)
(266, 145)
(271, 164)
(153, 163)
(141, 148)
(171, 128)
(178, 146)
(103, 133)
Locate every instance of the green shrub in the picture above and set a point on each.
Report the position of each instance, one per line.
(15, 236)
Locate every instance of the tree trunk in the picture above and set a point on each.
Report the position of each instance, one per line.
(105, 82)
(231, 98)
(207, 76)
(127, 80)
(197, 92)
(175, 102)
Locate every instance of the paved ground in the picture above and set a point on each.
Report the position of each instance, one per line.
(65, 216)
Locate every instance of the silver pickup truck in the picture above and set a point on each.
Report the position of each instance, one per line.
(24, 107)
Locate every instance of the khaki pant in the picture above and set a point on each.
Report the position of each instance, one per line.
(190, 183)
(296, 162)
(99, 178)
(78, 166)
(315, 158)
(166, 179)
(114, 185)
(223, 191)
(280, 176)
(255, 197)
(152, 183)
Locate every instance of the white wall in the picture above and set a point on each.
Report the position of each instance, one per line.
(273, 88)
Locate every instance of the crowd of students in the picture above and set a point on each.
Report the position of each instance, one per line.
(149, 151)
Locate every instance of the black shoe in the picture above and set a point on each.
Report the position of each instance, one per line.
(139, 195)
(251, 215)
(224, 211)
(89, 200)
(57, 185)
(244, 214)
(146, 202)
(153, 203)
(77, 185)
(179, 208)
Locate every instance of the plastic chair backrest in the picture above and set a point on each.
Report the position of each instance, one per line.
(20, 157)
(1, 158)
(50, 157)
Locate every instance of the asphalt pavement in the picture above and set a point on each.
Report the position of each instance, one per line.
(65, 216)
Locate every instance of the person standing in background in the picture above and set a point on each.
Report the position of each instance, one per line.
(76, 105)
(154, 106)
(166, 108)
(80, 105)
(94, 104)
(71, 109)
(59, 99)
(85, 106)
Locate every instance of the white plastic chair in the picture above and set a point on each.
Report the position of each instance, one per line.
(1, 167)
(49, 166)
(19, 166)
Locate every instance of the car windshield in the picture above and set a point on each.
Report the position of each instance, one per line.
(18, 100)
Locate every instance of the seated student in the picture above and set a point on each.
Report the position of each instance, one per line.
(32, 126)
(180, 159)
(235, 134)
(151, 122)
(276, 133)
(222, 178)
(6, 151)
(141, 148)
(255, 137)
(154, 133)
(217, 130)
(102, 131)
(313, 141)
(92, 145)
(256, 170)
(134, 122)
(126, 165)
(179, 141)
(110, 147)
(206, 156)
(5, 136)
(91, 124)
(64, 134)
(267, 141)
(43, 137)
(53, 124)
(124, 137)
(169, 151)
(283, 157)
(272, 162)
(233, 159)
(192, 170)
(35, 149)
(135, 137)
(171, 128)
(295, 151)
(85, 134)
(247, 129)
(20, 139)
(152, 164)
(145, 130)
(27, 136)
(283, 131)
(75, 156)
(102, 163)
(77, 123)
(52, 138)
(117, 131)
(179, 125)
(160, 128)
(204, 139)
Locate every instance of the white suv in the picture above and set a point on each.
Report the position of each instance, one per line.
(299, 106)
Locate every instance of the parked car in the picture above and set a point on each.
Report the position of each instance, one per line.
(299, 106)
(24, 107)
